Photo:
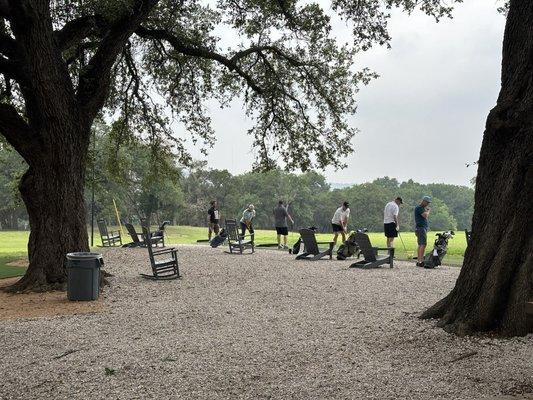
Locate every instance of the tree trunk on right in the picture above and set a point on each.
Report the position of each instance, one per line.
(496, 279)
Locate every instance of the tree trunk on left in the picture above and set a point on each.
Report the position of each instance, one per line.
(52, 190)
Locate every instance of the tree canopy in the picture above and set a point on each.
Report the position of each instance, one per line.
(154, 64)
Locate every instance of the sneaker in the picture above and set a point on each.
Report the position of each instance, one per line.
(420, 264)
(280, 246)
(285, 247)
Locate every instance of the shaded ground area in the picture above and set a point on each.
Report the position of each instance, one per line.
(34, 305)
(259, 326)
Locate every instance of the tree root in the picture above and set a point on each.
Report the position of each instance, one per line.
(438, 310)
(23, 286)
(38, 284)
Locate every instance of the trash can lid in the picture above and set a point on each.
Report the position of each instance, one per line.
(83, 256)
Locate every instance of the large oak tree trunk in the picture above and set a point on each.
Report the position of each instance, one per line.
(52, 190)
(497, 275)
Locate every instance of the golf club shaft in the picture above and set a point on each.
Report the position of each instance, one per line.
(404, 248)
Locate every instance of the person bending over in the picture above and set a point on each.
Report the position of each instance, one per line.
(390, 220)
(246, 221)
(280, 220)
(422, 226)
(339, 222)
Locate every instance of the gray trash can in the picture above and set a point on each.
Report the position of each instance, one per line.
(83, 281)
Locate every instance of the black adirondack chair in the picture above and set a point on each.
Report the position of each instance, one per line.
(164, 261)
(312, 252)
(135, 240)
(237, 243)
(372, 259)
(157, 236)
(109, 238)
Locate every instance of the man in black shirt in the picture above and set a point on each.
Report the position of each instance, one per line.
(213, 216)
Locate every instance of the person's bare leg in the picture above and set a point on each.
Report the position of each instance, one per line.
(388, 242)
(285, 240)
(343, 236)
(421, 251)
(391, 242)
(335, 235)
(209, 232)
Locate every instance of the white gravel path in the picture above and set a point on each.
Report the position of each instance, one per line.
(259, 326)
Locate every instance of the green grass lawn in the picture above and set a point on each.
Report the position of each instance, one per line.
(13, 244)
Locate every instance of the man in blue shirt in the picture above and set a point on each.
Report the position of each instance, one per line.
(422, 226)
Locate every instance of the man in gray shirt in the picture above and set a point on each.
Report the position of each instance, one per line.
(280, 218)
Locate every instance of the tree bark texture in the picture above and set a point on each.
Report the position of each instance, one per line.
(496, 279)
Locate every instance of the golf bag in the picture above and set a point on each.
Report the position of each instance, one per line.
(440, 248)
(350, 247)
(219, 239)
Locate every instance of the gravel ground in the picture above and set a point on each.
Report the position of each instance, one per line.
(259, 326)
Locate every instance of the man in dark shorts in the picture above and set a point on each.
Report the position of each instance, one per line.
(213, 218)
(280, 220)
(390, 220)
(339, 222)
(422, 226)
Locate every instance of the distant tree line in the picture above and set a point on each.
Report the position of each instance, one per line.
(313, 202)
(145, 180)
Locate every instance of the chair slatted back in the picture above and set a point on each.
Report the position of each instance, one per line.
(132, 232)
(146, 236)
(102, 227)
(364, 244)
(232, 230)
(309, 239)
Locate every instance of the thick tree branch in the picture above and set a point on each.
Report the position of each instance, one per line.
(4, 8)
(17, 132)
(10, 69)
(8, 46)
(95, 80)
(75, 31)
(186, 47)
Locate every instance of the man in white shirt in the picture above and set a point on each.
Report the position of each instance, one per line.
(339, 222)
(390, 220)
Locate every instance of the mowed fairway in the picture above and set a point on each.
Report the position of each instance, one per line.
(13, 244)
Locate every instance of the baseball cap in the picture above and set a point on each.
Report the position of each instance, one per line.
(399, 199)
(427, 198)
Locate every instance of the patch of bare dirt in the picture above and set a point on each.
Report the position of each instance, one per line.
(38, 305)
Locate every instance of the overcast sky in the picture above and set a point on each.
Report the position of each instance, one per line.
(423, 118)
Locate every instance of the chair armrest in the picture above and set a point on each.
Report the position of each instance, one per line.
(165, 251)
